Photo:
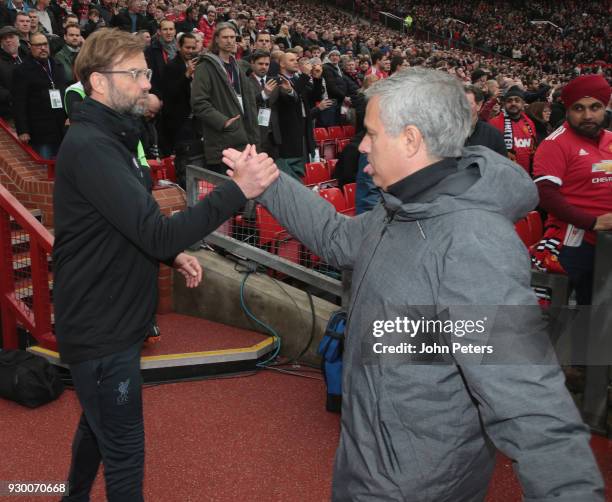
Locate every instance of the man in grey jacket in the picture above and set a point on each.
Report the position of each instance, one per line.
(441, 243)
(223, 100)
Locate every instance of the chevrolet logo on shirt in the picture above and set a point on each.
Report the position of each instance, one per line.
(605, 166)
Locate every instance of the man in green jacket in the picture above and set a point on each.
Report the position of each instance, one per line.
(68, 54)
(223, 99)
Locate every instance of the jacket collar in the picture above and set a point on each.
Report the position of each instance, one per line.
(123, 127)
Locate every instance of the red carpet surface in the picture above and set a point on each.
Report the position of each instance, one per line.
(264, 437)
(189, 334)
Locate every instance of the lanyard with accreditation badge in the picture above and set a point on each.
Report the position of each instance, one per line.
(54, 94)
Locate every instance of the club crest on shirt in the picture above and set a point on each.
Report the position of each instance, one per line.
(605, 166)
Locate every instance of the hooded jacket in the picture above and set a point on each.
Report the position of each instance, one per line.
(428, 432)
(214, 102)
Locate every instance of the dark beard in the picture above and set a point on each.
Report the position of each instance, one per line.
(588, 133)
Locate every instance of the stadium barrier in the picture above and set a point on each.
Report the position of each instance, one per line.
(253, 235)
(25, 275)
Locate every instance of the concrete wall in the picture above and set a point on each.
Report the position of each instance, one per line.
(287, 310)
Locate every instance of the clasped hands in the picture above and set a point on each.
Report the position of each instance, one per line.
(253, 172)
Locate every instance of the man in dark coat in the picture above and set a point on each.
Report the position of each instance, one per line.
(482, 133)
(223, 99)
(130, 19)
(67, 55)
(162, 50)
(337, 89)
(11, 55)
(177, 120)
(294, 132)
(38, 87)
(267, 95)
(48, 17)
(110, 237)
(191, 21)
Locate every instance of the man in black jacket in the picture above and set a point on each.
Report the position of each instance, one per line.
(482, 133)
(11, 55)
(177, 120)
(37, 88)
(131, 19)
(292, 114)
(191, 21)
(267, 94)
(162, 50)
(109, 238)
(337, 90)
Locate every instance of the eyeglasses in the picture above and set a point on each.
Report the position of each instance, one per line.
(136, 74)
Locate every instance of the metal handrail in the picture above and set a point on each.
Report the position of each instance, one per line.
(36, 319)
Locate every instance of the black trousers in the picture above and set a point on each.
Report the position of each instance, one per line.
(578, 262)
(111, 429)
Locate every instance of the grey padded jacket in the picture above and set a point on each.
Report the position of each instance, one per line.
(418, 432)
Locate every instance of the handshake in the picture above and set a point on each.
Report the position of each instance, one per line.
(253, 172)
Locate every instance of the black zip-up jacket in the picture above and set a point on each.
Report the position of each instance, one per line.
(110, 235)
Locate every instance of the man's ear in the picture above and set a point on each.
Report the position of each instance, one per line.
(98, 83)
(413, 140)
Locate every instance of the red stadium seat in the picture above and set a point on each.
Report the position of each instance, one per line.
(269, 228)
(349, 131)
(170, 171)
(331, 165)
(320, 134)
(335, 132)
(204, 188)
(349, 194)
(328, 149)
(327, 145)
(341, 144)
(274, 237)
(334, 196)
(315, 172)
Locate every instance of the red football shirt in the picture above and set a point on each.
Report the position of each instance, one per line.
(523, 138)
(582, 167)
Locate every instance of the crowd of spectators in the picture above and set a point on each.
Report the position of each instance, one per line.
(551, 36)
(491, 45)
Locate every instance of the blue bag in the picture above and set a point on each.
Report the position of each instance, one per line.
(331, 349)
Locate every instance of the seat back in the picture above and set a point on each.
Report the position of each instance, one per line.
(334, 196)
(335, 132)
(331, 166)
(341, 145)
(349, 194)
(349, 131)
(320, 134)
(315, 172)
(267, 226)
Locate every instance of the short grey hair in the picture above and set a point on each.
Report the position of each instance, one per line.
(431, 100)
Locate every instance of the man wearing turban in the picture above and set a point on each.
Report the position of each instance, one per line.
(573, 173)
